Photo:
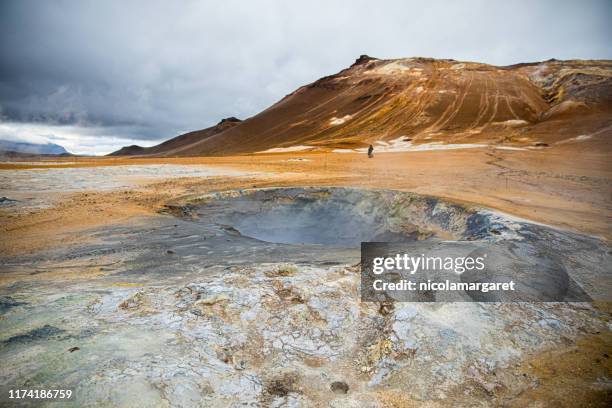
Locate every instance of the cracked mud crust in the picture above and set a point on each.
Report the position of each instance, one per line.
(112, 294)
(187, 310)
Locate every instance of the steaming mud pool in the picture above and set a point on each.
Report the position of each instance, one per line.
(252, 298)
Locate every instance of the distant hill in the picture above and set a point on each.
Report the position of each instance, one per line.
(32, 148)
(132, 150)
(399, 103)
(178, 143)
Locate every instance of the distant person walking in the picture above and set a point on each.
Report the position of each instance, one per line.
(371, 151)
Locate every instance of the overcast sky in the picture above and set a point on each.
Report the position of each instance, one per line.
(96, 75)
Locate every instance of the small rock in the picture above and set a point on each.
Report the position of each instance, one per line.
(73, 349)
(283, 385)
(385, 308)
(7, 201)
(132, 302)
(339, 387)
(211, 300)
(549, 323)
(223, 356)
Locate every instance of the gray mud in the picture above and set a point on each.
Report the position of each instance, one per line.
(253, 297)
(337, 217)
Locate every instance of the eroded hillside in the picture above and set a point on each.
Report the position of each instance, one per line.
(399, 104)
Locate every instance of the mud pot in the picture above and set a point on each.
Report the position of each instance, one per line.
(253, 297)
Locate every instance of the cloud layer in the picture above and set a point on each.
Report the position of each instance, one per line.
(96, 75)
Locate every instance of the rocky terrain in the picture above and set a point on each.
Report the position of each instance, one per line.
(184, 310)
(420, 102)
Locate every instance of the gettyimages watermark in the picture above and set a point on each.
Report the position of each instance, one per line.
(462, 271)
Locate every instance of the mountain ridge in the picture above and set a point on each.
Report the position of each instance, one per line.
(420, 101)
(177, 142)
(7, 146)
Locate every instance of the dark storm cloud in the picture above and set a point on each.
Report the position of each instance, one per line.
(149, 70)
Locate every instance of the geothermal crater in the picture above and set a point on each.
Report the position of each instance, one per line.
(338, 217)
(323, 226)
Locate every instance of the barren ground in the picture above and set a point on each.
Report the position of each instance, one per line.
(568, 187)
